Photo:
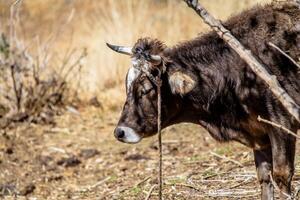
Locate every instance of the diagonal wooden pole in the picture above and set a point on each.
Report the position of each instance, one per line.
(258, 68)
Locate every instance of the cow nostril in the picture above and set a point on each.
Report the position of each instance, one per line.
(120, 133)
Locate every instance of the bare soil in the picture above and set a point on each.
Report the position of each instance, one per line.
(78, 158)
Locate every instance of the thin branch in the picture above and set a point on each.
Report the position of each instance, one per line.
(16, 2)
(160, 178)
(143, 181)
(283, 53)
(278, 189)
(150, 192)
(227, 159)
(16, 86)
(91, 187)
(258, 68)
(185, 185)
(278, 126)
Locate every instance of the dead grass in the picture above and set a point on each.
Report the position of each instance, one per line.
(52, 159)
(47, 162)
(120, 22)
(34, 84)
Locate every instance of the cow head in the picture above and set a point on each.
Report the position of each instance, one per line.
(149, 63)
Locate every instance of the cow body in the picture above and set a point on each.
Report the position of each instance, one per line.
(229, 96)
(221, 92)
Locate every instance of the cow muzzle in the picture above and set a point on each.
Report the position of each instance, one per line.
(127, 135)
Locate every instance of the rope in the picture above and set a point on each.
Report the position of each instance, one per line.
(158, 82)
(160, 181)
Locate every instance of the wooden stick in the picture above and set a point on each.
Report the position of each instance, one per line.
(277, 188)
(278, 126)
(184, 185)
(16, 2)
(143, 181)
(150, 192)
(258, 68)
(160, 181)
(158, 82)
(227, 159)
(283, 53)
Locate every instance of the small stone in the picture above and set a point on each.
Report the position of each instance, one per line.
(136, 157)
(95, 102)
(69, 162)
(44, 160)
(28, 189)
(88, 153)
(9, 151)
(55, 178)
(3, 110)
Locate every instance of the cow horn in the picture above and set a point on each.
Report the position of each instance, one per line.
(120, 49)
(155, 58)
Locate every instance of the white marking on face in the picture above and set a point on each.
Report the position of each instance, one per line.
(130, 136)
(132, 74)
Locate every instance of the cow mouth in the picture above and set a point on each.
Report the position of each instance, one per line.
(127, 135)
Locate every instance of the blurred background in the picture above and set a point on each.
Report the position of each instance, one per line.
(70, 26)
(61, 93)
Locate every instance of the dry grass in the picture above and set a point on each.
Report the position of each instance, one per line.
(50, 158)
(33, 84)
(120, 22)
(195, 165)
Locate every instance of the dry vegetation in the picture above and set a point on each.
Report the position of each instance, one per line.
(121, 22)
(76, 157)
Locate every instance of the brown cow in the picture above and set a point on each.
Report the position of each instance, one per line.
(205, 82)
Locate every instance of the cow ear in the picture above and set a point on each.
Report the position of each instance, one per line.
(181, 83)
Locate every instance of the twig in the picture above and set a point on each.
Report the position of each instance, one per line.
(175, 141)
(297, 190)
(277, 126)
(51, 40)
(150, 192)
(143, 181)
(283, 53)
(258, 68)
(16, 2)
(160, 181)
(232, 193)
(242, 183)
(214, 175)
(17, 87)
(75, 64)
(225, 158)
(99, 183)
(277, 188)
(158, 82)
(185, 185)
(91, 187)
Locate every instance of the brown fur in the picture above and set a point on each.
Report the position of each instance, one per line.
(228, 96)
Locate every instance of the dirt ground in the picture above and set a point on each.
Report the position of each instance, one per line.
(78, 158)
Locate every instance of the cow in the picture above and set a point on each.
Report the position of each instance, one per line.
(205, 82)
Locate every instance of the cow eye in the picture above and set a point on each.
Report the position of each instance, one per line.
(155, 72)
